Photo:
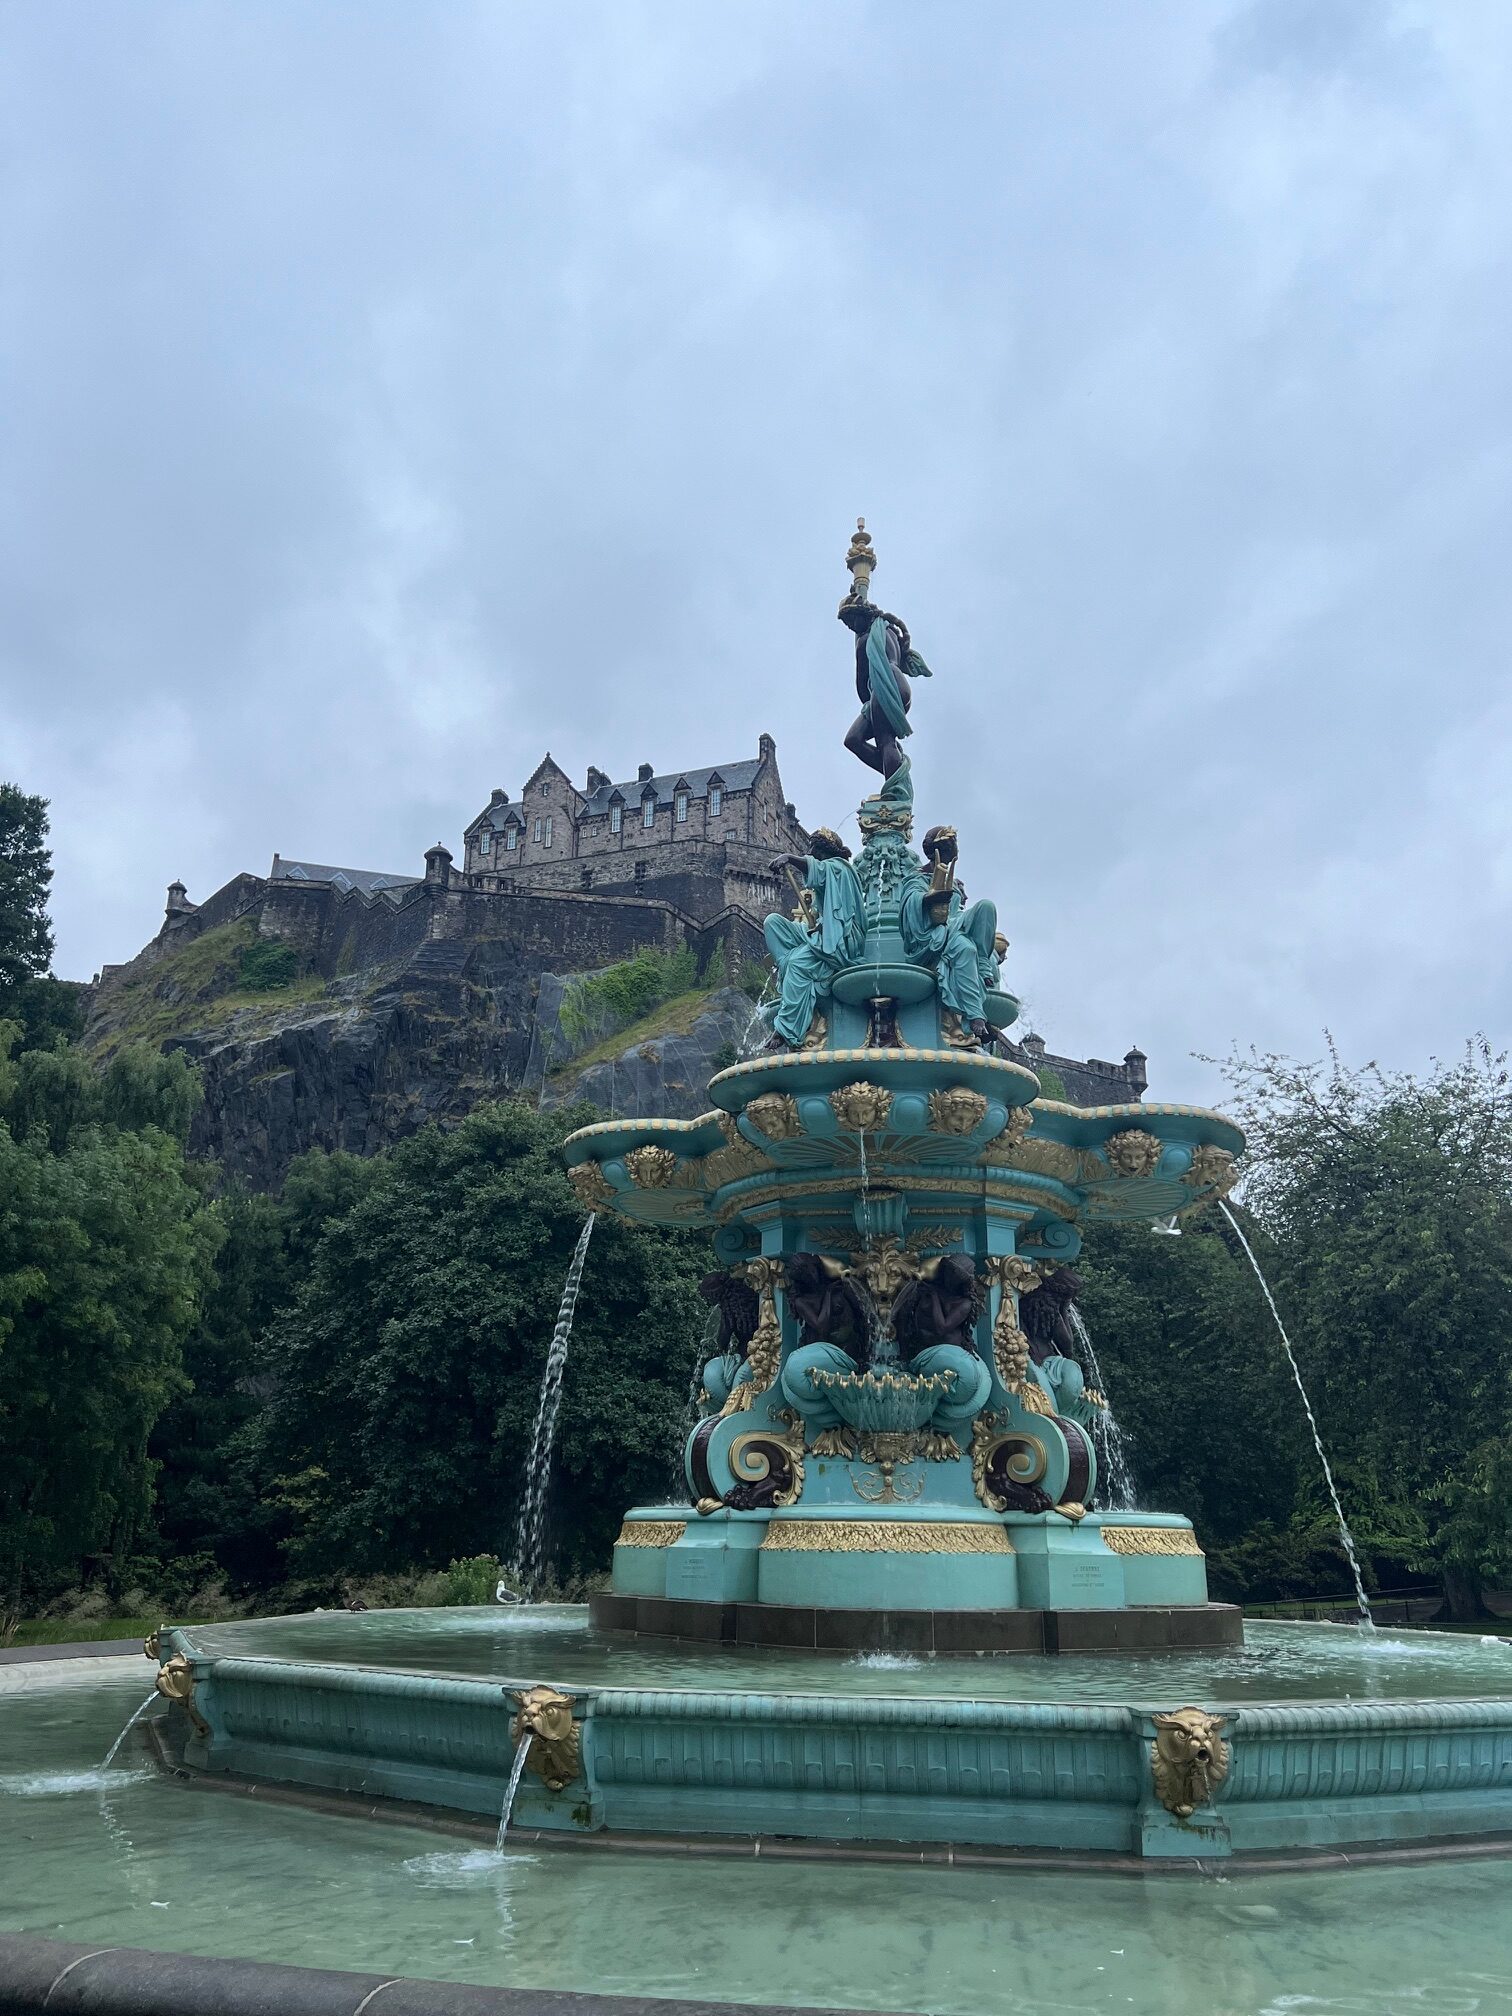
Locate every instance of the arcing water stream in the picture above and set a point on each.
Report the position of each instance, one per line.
(509, 1796)
(1312, 1421)
(1120, 1480)
(530, 1540)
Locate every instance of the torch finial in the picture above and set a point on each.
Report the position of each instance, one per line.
(861, 560)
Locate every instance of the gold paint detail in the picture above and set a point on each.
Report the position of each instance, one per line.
(651, 1532)
(861, 1108)
(957, 1110)
(838, 1442)
(592, 1188)
(1072, 1509)
(1151, 1540)
(730, 1165)
(885, 1268)
(751, 1462)
(175, 1682)
(884, 1536)
(1212, 1170)
(651, 1168)
(152, 1644)
(1189, 1760)
(1012, 1276)
(1090, 1167)
(862, 561)
(1033, 1398)
(556, 1739)
(765, 1349)
(1133, 1153)
(706, 1506)
(954, 1031)
(775, 1114)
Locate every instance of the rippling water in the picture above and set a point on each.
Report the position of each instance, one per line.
(551, 1642)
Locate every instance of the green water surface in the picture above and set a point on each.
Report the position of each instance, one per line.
(131, 1858)
(553, 1642)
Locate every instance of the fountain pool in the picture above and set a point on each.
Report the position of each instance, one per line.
(148, 1861)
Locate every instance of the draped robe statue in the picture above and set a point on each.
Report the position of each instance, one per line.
(959, 939)
(808, 955)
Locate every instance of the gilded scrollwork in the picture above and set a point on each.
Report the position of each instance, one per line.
(768, 1467)
(1189, 1759)
(861, 1108)
(956, 1110)
(1132, 1153)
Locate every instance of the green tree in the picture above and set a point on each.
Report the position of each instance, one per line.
(1386, 1198)
(106, 1243)
(26, 940)
(403, 1380)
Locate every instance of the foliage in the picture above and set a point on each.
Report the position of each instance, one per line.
(106, 1244)
(755, 977)
(402, 1378)
(1387, 1201)
(600, 1003)
(1051, 1083)
(26, 939)
(268, 964)
(473, 1580)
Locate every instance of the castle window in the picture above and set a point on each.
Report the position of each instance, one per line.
(716, 800)
(640, 871)
(616, 818)
(648, 813)
(535, 831)
(682, 808)
(546, 787)
(511, 839)
(548, 829)
(485, 840)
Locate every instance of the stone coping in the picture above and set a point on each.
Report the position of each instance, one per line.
(58, 1975)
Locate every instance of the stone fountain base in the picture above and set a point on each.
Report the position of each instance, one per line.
(1201, 1627)
(916, 1578)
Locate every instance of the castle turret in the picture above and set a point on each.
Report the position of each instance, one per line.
(438, 864)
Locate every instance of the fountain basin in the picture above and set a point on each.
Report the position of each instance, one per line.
(924, 1767)
(883, 1402)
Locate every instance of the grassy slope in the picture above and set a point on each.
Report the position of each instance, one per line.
(197, 987)
(671, 1018)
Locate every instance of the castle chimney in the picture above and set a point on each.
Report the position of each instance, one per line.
(498, 796)
(766, 748)
(645, 773)
(597, 778)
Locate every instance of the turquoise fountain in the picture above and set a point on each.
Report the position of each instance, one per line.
(854, 1633)
(896, 1454)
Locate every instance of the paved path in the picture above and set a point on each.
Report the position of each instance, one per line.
(95, 1648)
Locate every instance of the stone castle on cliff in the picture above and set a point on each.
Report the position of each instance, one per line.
(422, 994)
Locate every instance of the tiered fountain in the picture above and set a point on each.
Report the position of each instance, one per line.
(897, 1453)
(898, 1449)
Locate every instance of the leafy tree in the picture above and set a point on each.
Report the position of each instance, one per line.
(1387, 1201)
(106, 1241)
(26, 940)
(404, 1377)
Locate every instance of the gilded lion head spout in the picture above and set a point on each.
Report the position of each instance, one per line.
(1189, 1759)
(555, 1753)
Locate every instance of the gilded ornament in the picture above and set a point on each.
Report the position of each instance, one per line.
(175, 1682)
(775, 1114)
(1095, 1399)
(884, 1536)
(651, 1168)
(861, 1108)
(1070, 1508)
(764, 1351)
(706, 1506)
(651, 1532)
(732, 1164)
(885, 1267)
(1189, 1760)
(954, 1033)
(1151, 1540)
(1133, 1153)
(152, 1644)
(766, 1457)
(816, 1033)
(1090, 1167)
(1014, 1458)
(1013, 1276)
(1212, 1170)
(592, 1188)
(1039, 1158)
(935, 1446)
(833, 1442)
(1033, 1398)
(956, 1110)
(556, 1740)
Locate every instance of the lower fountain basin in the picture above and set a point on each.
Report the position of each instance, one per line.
(713, 1740)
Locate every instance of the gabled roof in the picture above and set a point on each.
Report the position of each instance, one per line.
(369, 881)
(731, 776)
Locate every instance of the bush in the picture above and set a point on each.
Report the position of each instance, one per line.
(602, 1003)
(473, 1580)
(268, 964)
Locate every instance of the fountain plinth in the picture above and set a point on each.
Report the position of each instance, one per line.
(884, 1188)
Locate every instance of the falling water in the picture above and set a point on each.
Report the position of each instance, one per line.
(866, 1224)
(509, 1796)
(114, 1750)
(747, 1045)
(1115, 1459)
(530, 1538)
(1312, 1421)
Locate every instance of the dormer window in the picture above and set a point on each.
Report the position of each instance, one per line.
(682, 808)
(616, 818)
(485, 841)
(716, 800)
(648, 813)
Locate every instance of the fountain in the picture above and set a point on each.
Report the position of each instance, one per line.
(897, 1454)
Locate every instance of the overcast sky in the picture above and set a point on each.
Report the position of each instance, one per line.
(395, 391)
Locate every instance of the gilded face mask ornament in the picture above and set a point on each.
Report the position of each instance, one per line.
(1189, 1759)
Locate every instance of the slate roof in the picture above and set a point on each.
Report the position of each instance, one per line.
(369, 881)
(733, 776)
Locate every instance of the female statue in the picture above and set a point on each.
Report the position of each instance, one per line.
(885, 662)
